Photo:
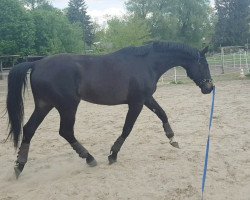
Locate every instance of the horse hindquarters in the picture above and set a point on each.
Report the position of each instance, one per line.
(16, 83)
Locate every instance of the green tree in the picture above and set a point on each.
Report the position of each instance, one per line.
(176, 20)
(232, 27)
(129, 31)
(77, 13)
(139, 8)
(35, 3)
(55, 34)
(193, 20)
(16, 29)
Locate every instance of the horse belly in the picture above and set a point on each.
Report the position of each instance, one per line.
(104, 95)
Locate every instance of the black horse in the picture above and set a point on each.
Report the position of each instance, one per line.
(128, 76)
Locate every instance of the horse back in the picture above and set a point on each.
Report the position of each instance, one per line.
(107, 80)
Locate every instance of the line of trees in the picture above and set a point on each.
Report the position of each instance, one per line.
(36, 27)
(233, 20)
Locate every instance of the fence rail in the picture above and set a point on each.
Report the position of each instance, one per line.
(233, 64)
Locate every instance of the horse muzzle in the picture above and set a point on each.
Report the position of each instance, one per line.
(206, 86)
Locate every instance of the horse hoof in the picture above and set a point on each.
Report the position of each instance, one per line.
(17, 171)
(175, 144)
(91, 161)
(111, 159)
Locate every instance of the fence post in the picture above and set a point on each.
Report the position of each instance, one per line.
(1, 70)
(222, 60)
(175, 76)
(234, 59)
(248, 70)
(240, 61)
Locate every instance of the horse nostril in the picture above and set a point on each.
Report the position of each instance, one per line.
(210, 83)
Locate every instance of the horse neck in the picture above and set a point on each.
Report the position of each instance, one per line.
(165, 61)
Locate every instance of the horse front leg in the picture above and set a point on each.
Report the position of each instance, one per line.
(156, 108)
(133, 113)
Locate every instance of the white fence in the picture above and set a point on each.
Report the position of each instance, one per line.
(220, 65)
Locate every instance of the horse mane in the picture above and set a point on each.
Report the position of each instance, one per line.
(137, 51)
(160, 47)
(173, 46)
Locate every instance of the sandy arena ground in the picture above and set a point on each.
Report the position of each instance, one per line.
(148, 167)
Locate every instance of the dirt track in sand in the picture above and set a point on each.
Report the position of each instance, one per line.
(148, 167)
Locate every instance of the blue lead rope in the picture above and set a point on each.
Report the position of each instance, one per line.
(208, 143)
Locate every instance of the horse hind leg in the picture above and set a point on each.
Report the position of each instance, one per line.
(67, 132)
(29, 129)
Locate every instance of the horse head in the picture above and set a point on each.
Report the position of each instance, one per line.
(199, 72)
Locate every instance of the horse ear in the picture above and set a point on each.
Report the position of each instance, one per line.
(204, 51)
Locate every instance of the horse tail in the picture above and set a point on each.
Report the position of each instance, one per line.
(17, 81)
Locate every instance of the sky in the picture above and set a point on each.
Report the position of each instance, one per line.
(99, 10)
